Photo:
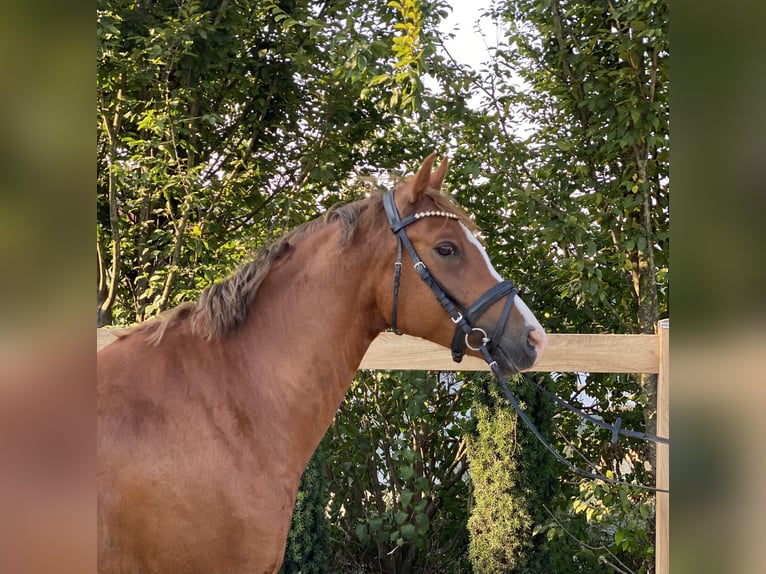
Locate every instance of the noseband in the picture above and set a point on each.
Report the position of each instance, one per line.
(464, 318)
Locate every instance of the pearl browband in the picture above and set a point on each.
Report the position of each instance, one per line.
(421, 214)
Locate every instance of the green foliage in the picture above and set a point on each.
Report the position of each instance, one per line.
(308, 541)
(602, 527)
(399, 497)
(620, 543)
(412, 47)
(222, 125)
(513, 477)
(574, 154)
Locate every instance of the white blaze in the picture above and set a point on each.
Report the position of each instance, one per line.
(473, 239)
(529, 317)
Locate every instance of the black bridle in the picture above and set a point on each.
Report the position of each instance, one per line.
(464, 318)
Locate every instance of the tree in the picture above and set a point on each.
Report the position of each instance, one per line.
(574, 153)
(222, 124)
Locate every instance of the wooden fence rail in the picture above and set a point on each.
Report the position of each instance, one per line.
(565, 353)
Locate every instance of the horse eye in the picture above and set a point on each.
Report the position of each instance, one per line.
(446, 249)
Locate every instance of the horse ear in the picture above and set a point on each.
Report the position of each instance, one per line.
(437, 177)
(421, 181)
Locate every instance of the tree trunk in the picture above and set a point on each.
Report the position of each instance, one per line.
(648, 308)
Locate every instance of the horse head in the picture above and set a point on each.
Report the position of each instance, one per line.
(445, 287)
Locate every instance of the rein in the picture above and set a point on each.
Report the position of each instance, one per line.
(464, 330)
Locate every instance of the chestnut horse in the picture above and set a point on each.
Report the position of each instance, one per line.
(209, 414)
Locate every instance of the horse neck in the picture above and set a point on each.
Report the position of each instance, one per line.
(311, 322)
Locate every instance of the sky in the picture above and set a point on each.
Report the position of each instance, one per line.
(468, 46)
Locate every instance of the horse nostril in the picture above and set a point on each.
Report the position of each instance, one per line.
(536, 341)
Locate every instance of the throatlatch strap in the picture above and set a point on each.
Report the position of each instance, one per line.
(397, 276)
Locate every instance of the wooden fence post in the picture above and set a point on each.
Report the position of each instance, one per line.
(662, 501)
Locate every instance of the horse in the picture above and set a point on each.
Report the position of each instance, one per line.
(209, 414)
